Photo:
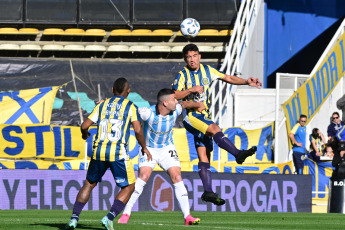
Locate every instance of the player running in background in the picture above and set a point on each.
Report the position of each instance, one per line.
(158, 123)
(113, 117)
(192, 83)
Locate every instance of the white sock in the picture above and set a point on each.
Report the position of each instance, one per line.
(182, 198)
(139, 186)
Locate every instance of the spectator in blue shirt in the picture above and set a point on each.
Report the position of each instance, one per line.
(298, 136)
(335, 125)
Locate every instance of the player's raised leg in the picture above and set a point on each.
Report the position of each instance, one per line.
(223, 142)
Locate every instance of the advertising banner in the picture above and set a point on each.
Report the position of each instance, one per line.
(65, 143)
(31, 106)
(186, 166)
(321, 172)
(311, 95)
(41, 141)
(54, 189)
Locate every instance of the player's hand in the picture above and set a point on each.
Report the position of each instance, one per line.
(149, 156)
(201, 107)
(101, 101)
(317, 153)
(299, 144)
(85, 135)
(197, 89)
(254, 82)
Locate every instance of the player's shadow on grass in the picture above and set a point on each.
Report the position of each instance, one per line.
(62, 226)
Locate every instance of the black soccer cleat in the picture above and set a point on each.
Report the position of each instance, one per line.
(213, 198)
(243, 154)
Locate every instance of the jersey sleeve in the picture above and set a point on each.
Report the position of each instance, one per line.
(178, 109)
(95, 113)
(215, 74)
(294, 129)
(145, 113)
(341, 134)
(133, 112)
(179, 82)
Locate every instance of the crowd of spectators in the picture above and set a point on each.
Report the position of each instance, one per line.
(332, 148)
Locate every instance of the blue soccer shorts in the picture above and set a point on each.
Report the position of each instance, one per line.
(122, 170)
(197, 124)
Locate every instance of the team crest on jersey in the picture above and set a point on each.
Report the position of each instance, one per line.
(207, 118)
(205, 81)
(175, 82)
(189, 84)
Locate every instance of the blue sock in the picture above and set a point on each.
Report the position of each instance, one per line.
(205, 175)
(224, 142)
(116, 208)
(78, 206)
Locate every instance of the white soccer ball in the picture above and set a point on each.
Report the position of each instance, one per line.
(190, 27)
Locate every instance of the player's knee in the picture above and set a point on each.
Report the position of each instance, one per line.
(213, 129)
(144, 177)
(176, 178)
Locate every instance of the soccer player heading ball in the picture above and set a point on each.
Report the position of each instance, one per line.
(192, 83)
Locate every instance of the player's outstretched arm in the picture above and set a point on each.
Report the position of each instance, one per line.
(184, 93)
(141, 139)
(254, 82)
(193, 105)
(85, 128)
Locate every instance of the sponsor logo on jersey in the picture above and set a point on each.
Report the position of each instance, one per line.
(162, 196)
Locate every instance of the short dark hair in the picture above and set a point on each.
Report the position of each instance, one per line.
(302, 115)
(164, 92)
(190, 47)
(119, 85)
(335, 113)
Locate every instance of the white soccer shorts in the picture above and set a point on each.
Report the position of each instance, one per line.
(165, 157)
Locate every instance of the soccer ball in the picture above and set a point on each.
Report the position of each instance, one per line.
(190, 27)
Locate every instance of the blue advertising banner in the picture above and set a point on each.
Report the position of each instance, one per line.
(56, 189)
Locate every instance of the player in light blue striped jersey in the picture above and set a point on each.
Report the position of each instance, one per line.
(158, 123)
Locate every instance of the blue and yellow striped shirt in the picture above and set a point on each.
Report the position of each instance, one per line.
(113, 117)
(187, 79)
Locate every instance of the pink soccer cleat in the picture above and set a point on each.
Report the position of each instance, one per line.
(123, 219)
(191, 220)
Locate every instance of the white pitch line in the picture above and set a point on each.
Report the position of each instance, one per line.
(180, 225)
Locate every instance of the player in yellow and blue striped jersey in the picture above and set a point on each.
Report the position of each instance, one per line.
(192, 83)
(113, 118)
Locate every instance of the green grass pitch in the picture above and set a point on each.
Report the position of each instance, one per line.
(54, 219)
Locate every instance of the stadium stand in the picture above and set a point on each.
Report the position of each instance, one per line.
(157, 43)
